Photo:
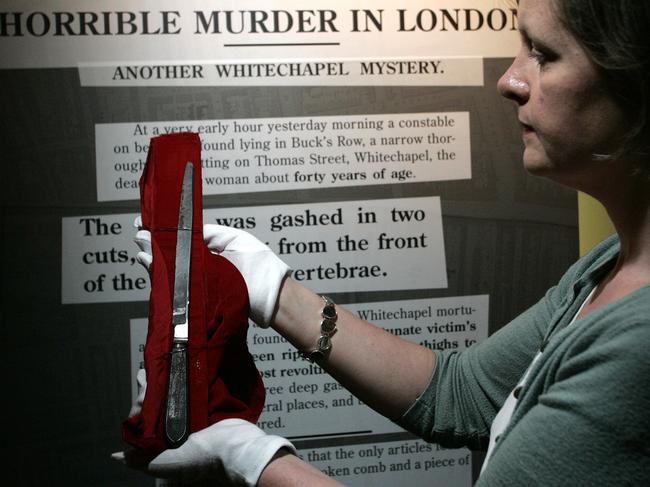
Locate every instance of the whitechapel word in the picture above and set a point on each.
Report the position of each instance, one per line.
(410, 71)
(274, 154)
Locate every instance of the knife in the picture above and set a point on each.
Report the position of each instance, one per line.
(177, 414)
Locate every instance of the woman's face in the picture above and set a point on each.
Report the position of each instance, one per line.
(565, 112)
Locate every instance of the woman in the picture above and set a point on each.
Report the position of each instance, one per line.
(560, 395)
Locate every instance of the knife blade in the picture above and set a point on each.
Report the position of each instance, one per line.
(177, 412)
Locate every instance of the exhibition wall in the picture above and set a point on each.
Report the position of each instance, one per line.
(364, 141)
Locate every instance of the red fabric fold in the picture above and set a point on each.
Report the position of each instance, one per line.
(223, 380)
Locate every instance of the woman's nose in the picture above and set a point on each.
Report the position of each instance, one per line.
(513, 86)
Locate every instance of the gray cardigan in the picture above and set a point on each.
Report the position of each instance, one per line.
(583, 417)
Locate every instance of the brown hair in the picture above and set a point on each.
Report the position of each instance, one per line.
(616, 34)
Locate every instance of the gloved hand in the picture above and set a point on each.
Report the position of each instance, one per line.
(261, 269)
(141, 378)
(233, 450)
(143, 240)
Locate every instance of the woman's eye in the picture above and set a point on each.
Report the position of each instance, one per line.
(538, 56)
(541, 55)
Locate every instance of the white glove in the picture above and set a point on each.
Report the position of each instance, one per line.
(262, 270)
(233, 450)
(143, 240)
(141, 377)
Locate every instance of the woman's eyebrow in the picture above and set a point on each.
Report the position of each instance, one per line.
(529, 39)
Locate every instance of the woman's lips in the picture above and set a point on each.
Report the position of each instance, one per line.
(527, 129)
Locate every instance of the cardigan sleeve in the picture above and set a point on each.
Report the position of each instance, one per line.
(468, 388)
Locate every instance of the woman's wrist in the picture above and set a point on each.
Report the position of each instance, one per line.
(328, 319)
(287, 470)
(298, 314)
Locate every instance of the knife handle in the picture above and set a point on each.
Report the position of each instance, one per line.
(177, 417)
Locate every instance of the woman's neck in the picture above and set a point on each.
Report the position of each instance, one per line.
(628, 206)
(627, 201)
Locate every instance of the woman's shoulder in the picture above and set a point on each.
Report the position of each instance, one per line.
(602, 253)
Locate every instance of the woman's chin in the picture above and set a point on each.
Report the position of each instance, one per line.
(536, 165)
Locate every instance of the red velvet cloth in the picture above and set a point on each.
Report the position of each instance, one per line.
(223, 379)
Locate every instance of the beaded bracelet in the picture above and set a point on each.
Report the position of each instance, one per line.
(327, 329)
